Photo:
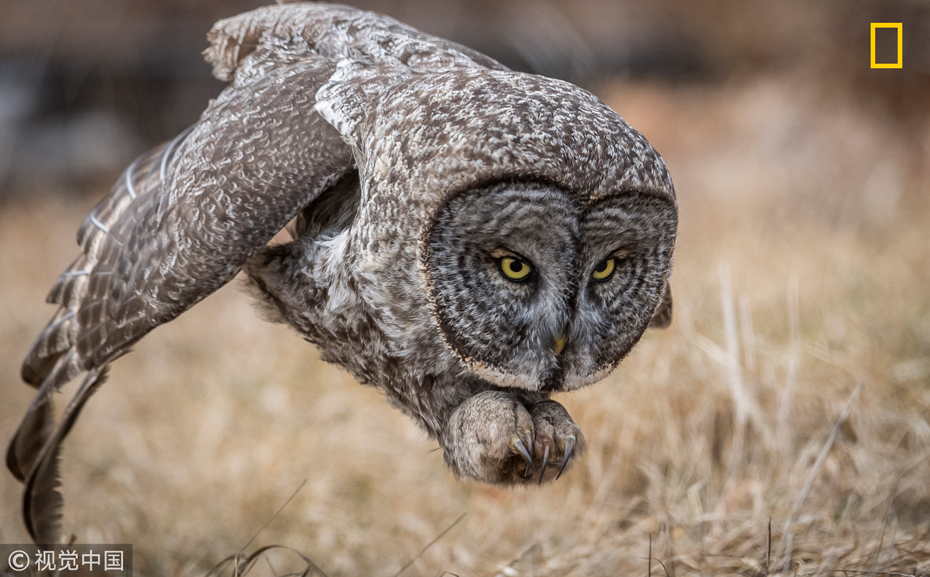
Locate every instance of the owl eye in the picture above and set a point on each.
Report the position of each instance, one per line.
(604, 270)
(514, 269)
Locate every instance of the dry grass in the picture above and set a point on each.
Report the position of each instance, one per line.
(801, 272)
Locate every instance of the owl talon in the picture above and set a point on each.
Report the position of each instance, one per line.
(545, 461)
(517, 446)
(569, 445)
(557, 440)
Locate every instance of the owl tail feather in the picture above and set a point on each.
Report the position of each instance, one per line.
(36, 448)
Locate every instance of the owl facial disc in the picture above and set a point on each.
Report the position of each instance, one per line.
(539, 288)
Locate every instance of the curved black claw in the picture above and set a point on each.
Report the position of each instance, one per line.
(545, 461)
(517, 446)
(569, 445)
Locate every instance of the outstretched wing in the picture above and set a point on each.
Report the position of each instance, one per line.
(179, 224)
(184, 218)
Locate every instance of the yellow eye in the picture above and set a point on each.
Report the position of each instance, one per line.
(604, 270)
(515, 269)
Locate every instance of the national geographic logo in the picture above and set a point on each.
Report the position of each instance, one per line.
(887, 39)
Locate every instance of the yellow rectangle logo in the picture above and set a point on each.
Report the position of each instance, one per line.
(900, 28)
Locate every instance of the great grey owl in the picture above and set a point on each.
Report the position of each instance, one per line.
(466, 238)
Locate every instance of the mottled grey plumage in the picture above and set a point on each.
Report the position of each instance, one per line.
(415, 168)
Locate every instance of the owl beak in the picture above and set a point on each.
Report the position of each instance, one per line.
(559, 344)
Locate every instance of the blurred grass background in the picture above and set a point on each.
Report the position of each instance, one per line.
(801, 271)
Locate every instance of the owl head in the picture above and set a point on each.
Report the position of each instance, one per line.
(536, 287)
(544, 224)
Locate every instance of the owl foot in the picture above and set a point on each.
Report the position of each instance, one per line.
(489, 438)
(557, 440)
(492, 437)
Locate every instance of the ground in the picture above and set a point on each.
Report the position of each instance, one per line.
(800, 273)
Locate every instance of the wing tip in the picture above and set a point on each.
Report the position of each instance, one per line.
(42, 500)
(33, 432)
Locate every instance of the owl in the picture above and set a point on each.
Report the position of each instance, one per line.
(466, 238)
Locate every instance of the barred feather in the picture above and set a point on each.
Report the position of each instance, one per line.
(71, 288)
